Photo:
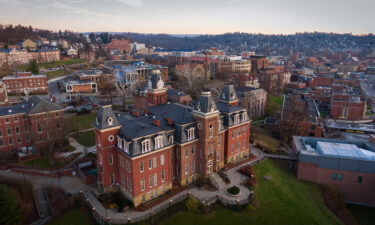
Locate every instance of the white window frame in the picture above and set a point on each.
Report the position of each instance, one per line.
(162, 176)
(146, 145)
(162, 159)
(154, 162)
(159, 142)
(191, 134)
(110, 159)
(141, 166)
(150, 164)
(186, 168)
(143, 184)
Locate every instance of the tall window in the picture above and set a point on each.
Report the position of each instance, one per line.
(191, 135)
(112, 178)
(9, 131)
(122, 161)
(151, 180)
(236, 119)
(187, 168)
(110, 159)
(154, 162)
(211, 131)
(150, 164)
(186, 152)
(143, 184)
(193, 166)
(155, 179)
(219, 140)
(141, 167)
(159, 142)
(17, 130)
(162, 176)
(162, 159)
(39, 127)
(146, 146)
(192, 150)
(359, 179)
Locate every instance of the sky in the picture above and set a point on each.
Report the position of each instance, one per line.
(193, 16)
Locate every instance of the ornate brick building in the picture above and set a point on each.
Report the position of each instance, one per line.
(33, 124)
(164, 144)
(26, 83)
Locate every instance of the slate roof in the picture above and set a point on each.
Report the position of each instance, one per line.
(227, 108)
(103, 117)
(180, 114)
(228, 94)
(33, 105)
(205, 103)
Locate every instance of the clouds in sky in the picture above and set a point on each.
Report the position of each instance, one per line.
(193, 16)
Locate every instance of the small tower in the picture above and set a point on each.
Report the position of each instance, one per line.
(229, 96)
(207, 118)
(156, 91)
(106, 129)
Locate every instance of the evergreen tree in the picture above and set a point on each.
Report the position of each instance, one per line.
(33, 67)
(6, 46)
(9, 210)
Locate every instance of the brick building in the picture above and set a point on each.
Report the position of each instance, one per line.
(273, 79)
(347, 166)
(252, 99)
(22, 56)
(3, 94)
(259, 63)
(123, 45)
(32, 124)
(148, 151)
(26, 82)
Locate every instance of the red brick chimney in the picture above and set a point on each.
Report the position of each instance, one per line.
(156, 122)
(169, 121)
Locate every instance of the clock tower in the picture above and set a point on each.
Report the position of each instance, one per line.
(156, 91)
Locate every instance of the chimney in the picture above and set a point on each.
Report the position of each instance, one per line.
(169, 121)
(136, 113)
(156, 122)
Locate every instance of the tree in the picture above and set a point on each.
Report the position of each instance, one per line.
(9, 210)
(33, 67)
(6, 46)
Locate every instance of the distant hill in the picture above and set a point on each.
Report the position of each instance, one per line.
(309, 43)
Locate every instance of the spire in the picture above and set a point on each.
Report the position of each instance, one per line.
(206, 104)
(228, 95)
(106, 118)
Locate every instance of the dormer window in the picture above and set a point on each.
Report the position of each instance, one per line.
(110, 121)
(212, 107)
(171, 139)
(159, 142)
(146, 146)
(244, 117)
(236, 119)
(191, 134)
(119, 142)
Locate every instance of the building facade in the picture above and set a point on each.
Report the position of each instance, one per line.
(146, 152)
(253, 99)
(347, 166)
(33, 124)
(26, 83)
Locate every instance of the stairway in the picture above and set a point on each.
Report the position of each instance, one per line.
(42, 204)
(217, 179)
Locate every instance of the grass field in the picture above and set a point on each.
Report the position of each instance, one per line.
(274, 103)
(281, 200)
(364, 215)
(44, 163)
(87, 138)
(53, 64)
(80, 122)
(267, 141)
(57, 73)
(74, 217)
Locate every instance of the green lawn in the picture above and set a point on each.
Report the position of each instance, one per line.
(45, 163)
(87, 138)
(267, 141)
(53, 64)
(57, 73)
(274, 103)
(282, 200)
(364, 215)
(74, 217)
(80, 122)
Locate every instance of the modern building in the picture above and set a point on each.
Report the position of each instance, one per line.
(33, 124)
(26, 83)
(348, 166)
(145, 153)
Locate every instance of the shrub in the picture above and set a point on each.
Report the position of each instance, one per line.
(193, 205)
(9, 210)
(84, 111)
(246, 170)
(234, 190)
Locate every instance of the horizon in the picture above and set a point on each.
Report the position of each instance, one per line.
(193, 17)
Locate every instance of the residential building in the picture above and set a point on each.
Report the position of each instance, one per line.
(28, 44)
(26, 83)
(145, 153)
(33, 124)
(348, 166)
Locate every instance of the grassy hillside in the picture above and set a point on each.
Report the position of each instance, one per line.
(281, 200)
